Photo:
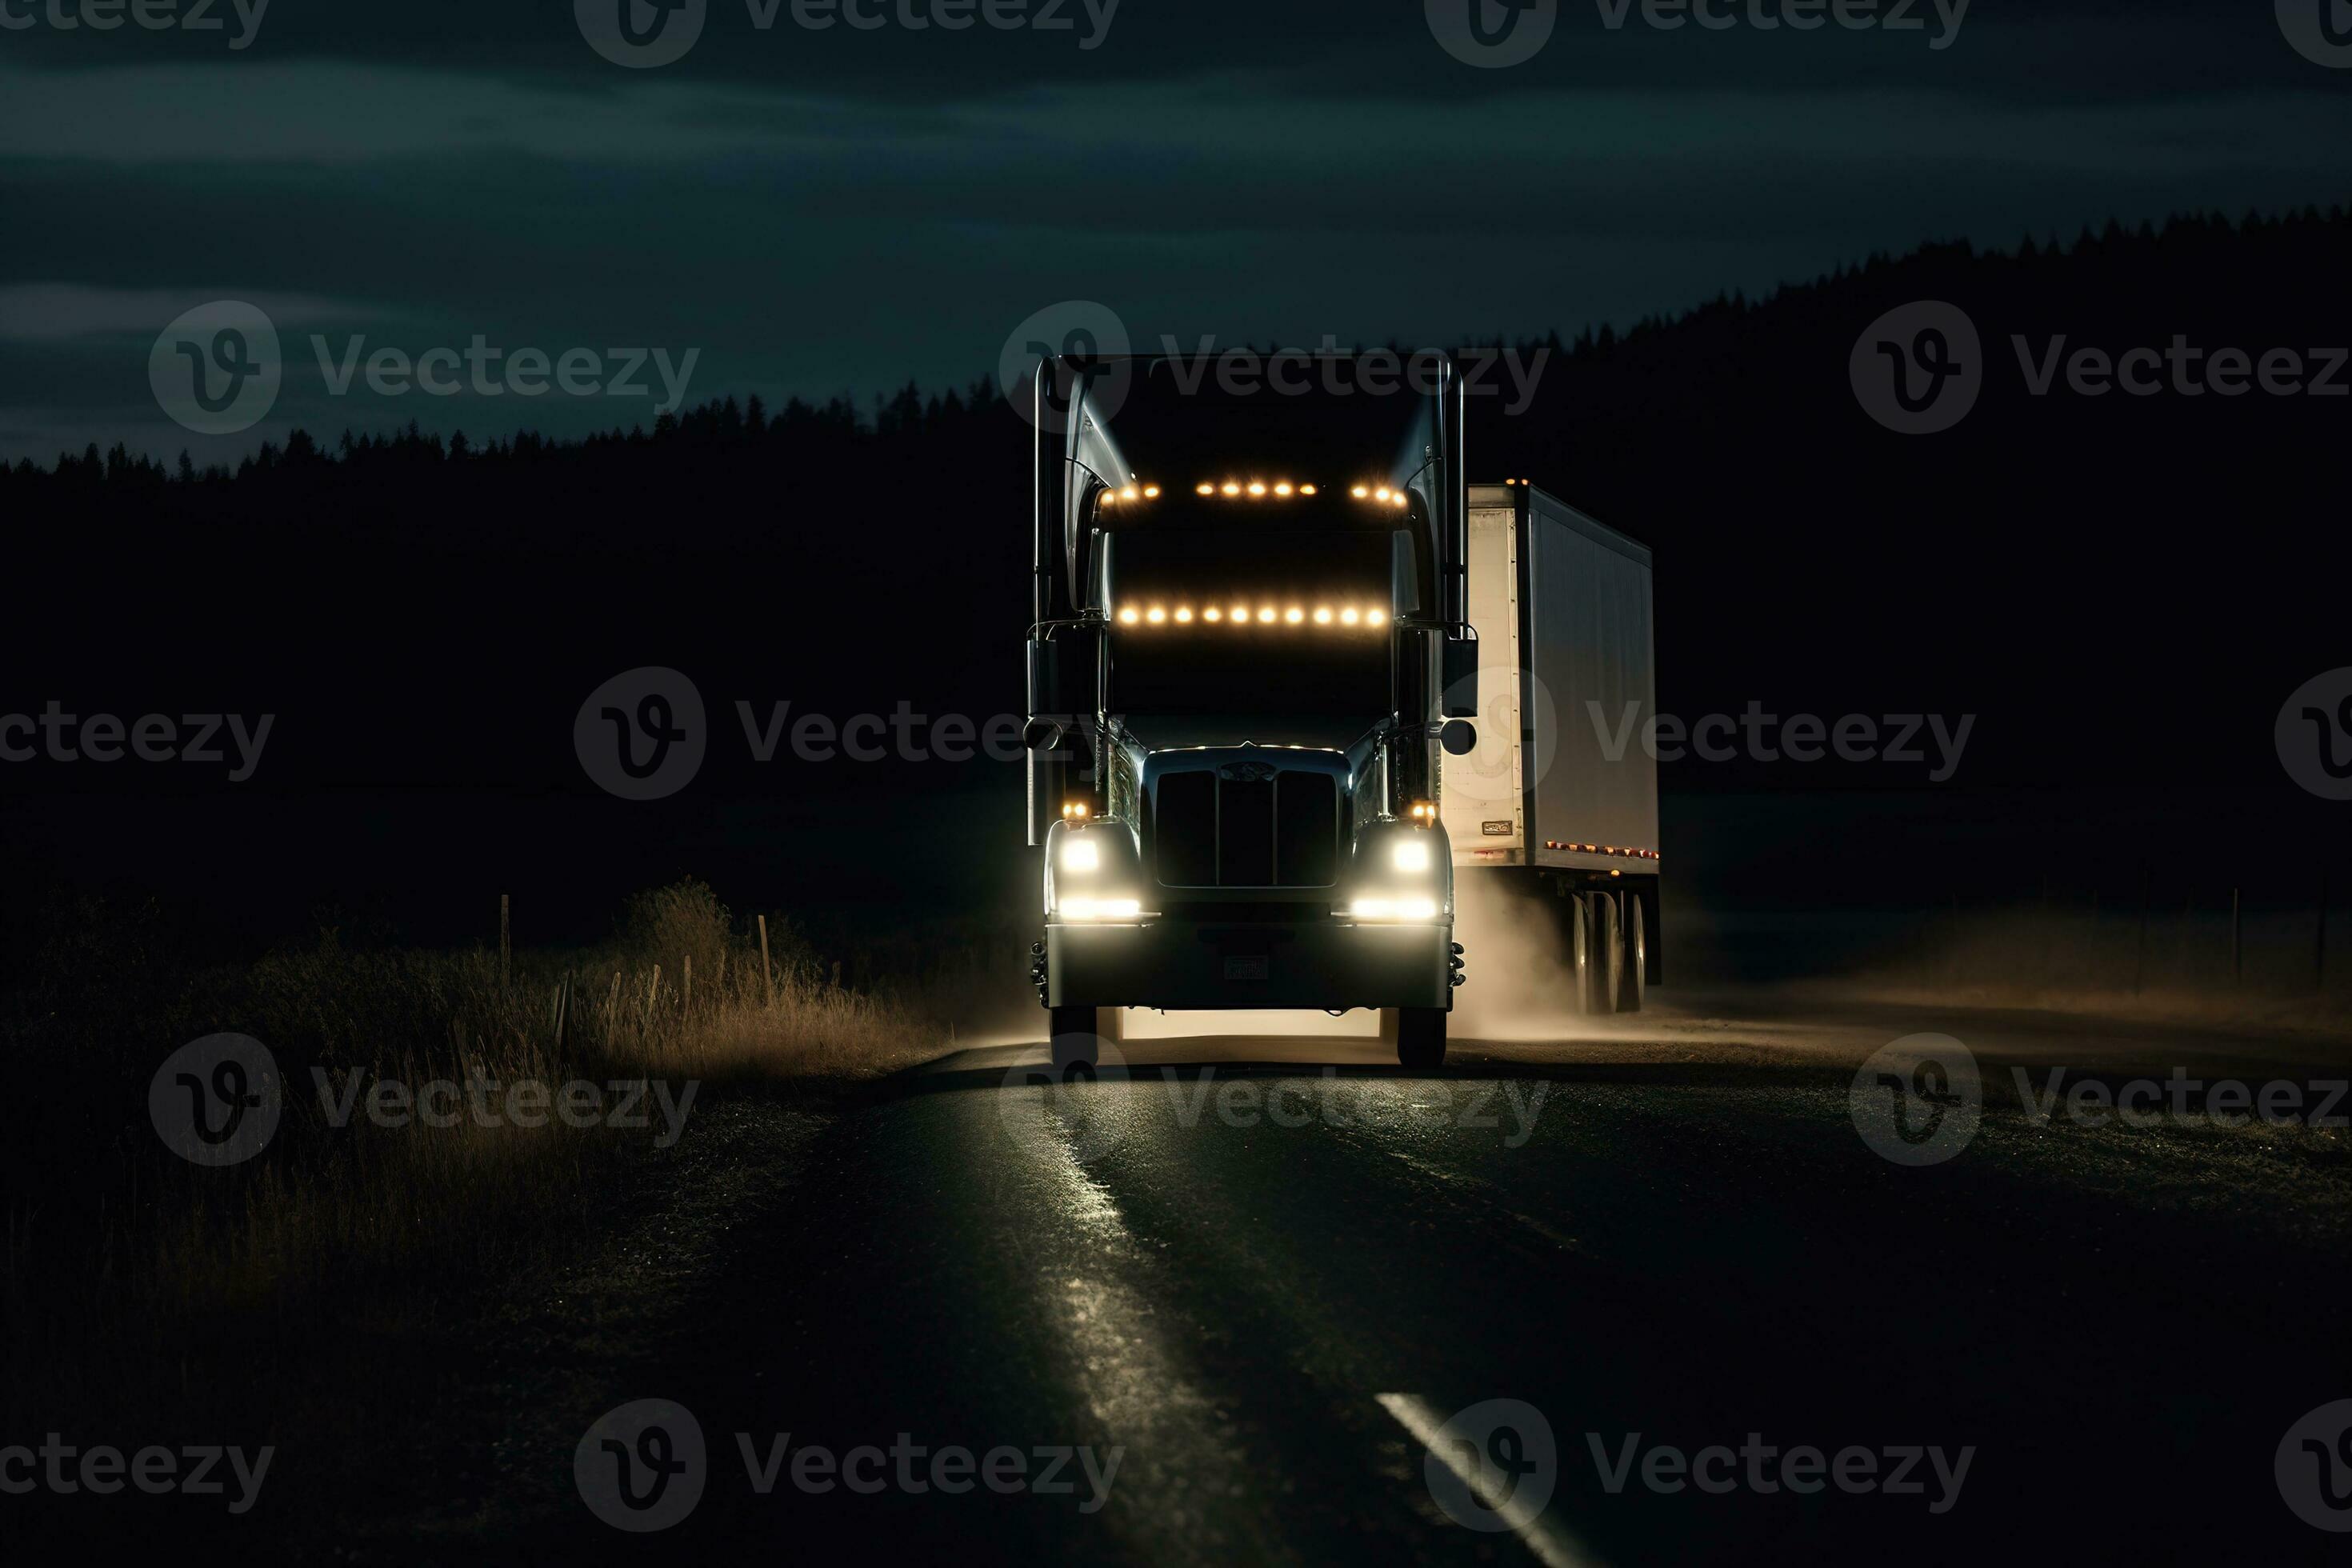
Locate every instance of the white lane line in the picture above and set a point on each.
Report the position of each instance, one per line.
(1552, 1546)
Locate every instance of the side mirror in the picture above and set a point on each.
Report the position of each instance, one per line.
(1458, 736)
(1042, 735)
(1458, 678)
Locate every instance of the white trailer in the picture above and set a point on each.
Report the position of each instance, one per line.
(1559, 795)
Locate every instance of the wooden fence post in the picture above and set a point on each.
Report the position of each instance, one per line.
(767, 975)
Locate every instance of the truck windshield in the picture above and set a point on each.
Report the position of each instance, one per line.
(1256, 622)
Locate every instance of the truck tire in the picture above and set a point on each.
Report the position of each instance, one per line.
(1075, 1039)
(1420, 1037)
(1611, 965)
(1635, 987)
(1580, 953)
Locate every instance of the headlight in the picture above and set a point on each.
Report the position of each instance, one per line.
(1100, 908)
(1409, 855)
(1395, 909)
(1080, 855)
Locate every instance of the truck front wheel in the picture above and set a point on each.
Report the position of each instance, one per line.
(1420, 1037)
(1074, 1040)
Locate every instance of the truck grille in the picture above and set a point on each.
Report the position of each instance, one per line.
(1262, 828)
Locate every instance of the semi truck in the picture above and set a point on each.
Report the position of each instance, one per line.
(1291, 678)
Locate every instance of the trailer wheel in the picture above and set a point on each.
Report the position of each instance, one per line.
(1611, 966)
(1635, 986)
(1580, 953)
(1075, 1038)
(1420, 1037)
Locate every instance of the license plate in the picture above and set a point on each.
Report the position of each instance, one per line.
(1250, 968)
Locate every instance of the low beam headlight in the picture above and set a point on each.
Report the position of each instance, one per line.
(1080, 855)
(1101, 908)
(1409, 855)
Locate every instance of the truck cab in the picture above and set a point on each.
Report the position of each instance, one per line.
(1238, 684)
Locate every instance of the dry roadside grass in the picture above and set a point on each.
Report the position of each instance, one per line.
(331, 1291)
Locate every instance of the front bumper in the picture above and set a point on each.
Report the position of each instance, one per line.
(1195, 963)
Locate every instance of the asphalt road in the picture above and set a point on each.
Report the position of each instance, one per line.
(1264, 1274)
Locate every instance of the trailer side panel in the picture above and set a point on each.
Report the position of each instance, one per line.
(1587, 643)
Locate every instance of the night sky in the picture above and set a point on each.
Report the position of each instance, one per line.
(819, 212)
